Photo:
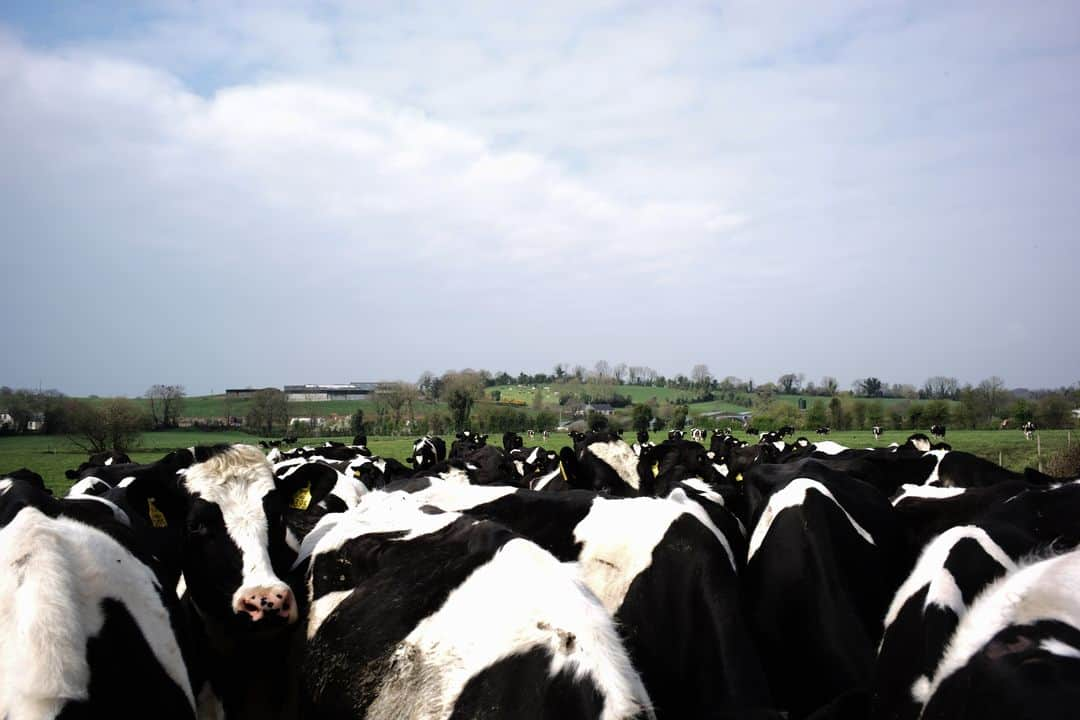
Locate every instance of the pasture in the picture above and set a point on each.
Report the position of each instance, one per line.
(50, 455)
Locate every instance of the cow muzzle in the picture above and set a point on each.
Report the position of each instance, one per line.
(265, 603)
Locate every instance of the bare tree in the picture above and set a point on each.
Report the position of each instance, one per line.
(114, 424)
(790, 383)
(602, 370)
(701, 376)
(399, 397)
(269, 408)
(828, 385)
(166, 403)
(620, 372)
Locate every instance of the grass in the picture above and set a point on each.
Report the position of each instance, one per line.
(50, 456)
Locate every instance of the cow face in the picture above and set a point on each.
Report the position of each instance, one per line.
(235, 537)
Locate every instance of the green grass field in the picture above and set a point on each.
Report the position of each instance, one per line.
(50, 456)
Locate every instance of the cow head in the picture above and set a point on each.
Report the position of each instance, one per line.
(235, 539)
(424, 454)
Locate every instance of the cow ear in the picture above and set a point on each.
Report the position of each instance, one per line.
(308, 486)
(70, 474)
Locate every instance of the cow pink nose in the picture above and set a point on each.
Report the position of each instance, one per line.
(267, 602)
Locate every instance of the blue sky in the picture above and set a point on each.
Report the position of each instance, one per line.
(230, 194)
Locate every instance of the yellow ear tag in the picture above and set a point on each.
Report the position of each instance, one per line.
(738, 478)
(302, 498)
(562, 471)
(655, 469)
(157, 518)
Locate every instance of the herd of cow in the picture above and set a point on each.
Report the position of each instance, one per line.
(604, 580)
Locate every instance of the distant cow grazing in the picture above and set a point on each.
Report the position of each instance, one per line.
(937, 431)
(1029, 428)
(877, 431)
(823, 430)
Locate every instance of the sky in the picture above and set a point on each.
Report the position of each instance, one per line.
(247, 194)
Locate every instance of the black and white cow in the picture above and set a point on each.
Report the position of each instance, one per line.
(602, 461)
(87, 626)
(1029, 429)
(427, 452)
(877, 430)
(102, 459)
(833, 543)
(937, 431)
(639, 555)
(1016, 653)
(229, 513)
(823, 430)
(950, 573)
(417, 613)
(512, 441)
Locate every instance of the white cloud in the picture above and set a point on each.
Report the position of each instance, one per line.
(768, 158)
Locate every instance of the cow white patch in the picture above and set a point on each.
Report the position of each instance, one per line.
(928, 492)
(930, 568)
(934, 476)
(722, 468)
(322, 608)
(118, 514)
(1046, 590)
(546, 480)
(1057, 647)
(620, 457)
(56, 573)
(793, 495)
(705, 489)
(109, 461)
(828, 447)
(618, 537)
(86, 485)
(453, 496)
(5, 485)
(522, 599)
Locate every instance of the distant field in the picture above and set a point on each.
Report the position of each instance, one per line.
(51, 456)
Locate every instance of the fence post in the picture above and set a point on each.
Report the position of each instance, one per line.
(1038, 448)
(1000, 463)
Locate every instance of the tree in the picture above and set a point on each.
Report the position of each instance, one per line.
(836, 413)
(828, 385)
(935, 412)
(620, 372)
(114, 424)
(20, 404)
(269, 409)
(461, 391)
(790, 383)
(166, 403)
(356, 422)
(1021, 412)
(678, 416)
(869, 387)
(428, 385)
(701, 376)
(994, 395)
(1053, 411)
(641, 415)
(858, 415)
(941, 387)
(875, 413)
(560, 371)
(815, 415)
(399, 397)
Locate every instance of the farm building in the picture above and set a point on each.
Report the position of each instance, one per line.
(244, 392)
(316, 393)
